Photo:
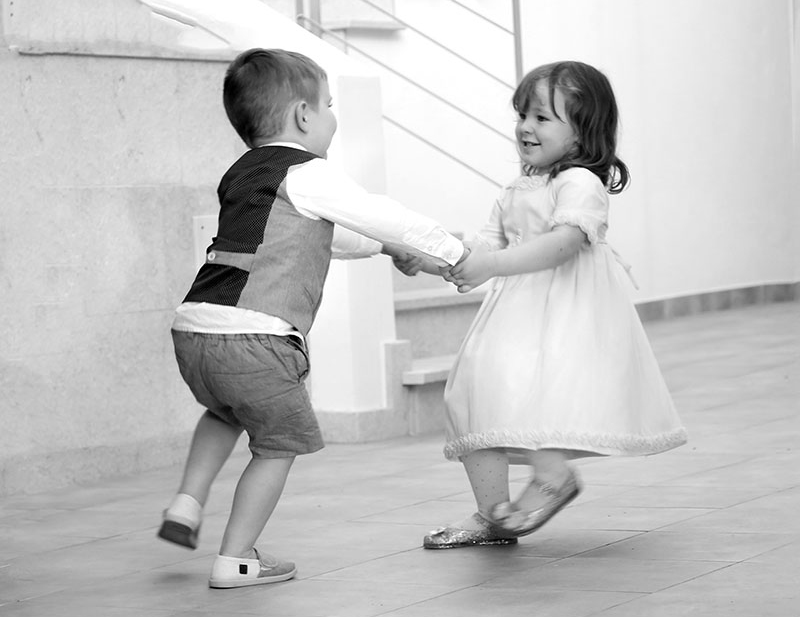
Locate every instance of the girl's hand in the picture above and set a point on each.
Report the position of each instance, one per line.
(444, 271)
(473, 271)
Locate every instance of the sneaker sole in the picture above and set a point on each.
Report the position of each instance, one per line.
(179, 534)
(247, 582)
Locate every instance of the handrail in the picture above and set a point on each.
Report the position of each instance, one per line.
(441, 150)
(406, 78)
(517, 20)
(429, 38)
(483, 17)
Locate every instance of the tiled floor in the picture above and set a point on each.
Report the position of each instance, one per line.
(710, 529)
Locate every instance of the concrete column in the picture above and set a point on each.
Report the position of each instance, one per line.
(356, 361)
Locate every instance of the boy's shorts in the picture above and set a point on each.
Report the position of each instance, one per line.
(254, 382)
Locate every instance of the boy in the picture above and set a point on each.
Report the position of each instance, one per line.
(240, 332)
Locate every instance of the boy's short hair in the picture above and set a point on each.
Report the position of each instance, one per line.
(261, 84)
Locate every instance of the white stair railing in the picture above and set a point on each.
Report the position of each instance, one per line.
(311, 19)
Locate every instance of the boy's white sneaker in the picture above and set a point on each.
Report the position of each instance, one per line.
(181, 522)
(228, 572)
(179, 530)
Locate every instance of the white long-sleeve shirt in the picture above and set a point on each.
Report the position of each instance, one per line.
(364, 222)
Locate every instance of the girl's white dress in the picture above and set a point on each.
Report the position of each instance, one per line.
(558, 358)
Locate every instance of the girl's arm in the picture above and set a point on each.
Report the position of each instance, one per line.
(542, 253)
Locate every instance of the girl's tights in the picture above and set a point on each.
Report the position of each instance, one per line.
(487, 471)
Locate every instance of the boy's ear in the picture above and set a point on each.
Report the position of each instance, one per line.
(301, 116)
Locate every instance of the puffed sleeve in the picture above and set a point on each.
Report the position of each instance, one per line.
(581, 201)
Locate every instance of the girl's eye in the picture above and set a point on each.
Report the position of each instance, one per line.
(541, 118)
(521, 116)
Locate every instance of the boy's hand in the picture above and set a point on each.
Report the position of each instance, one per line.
(409, 265)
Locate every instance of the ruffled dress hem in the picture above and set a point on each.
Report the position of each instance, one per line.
(604, 445)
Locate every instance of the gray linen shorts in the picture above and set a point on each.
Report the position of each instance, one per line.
(255, 382)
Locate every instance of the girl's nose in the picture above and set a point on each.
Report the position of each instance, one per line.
(526, 126)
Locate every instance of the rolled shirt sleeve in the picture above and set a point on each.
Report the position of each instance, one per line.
(348, 244)
(319, 190)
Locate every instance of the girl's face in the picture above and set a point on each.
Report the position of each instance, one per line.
(544, 138)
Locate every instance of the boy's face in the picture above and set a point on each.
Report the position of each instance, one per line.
(323, 122)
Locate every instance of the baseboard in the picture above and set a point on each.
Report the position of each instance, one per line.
(48, 471)
(362, 426)
(722, 300)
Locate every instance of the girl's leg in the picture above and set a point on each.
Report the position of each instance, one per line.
(488, 474)
(553, 486)
(549, 467)
(256, 496)
(487, 471)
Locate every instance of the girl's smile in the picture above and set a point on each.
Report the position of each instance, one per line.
(544, 134)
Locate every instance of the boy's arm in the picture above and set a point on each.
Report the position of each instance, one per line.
(351, 245)
(318, 189)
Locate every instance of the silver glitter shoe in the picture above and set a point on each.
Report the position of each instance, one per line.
(513, 519)
(456, 537)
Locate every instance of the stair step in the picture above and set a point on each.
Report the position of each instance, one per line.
(435, 297)
(428, 370)
(435, 320)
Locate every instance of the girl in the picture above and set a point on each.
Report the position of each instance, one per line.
(556, 364)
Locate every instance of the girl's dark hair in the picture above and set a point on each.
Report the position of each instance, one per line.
(592, 113)
(261, 84)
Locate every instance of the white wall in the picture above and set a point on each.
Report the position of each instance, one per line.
(704, 88)
(106, 156)
(416, 175)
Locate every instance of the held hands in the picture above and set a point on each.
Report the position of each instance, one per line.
(474, 268)
(408, 264)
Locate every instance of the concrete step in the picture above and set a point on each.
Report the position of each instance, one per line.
(424, 385)
(428, 370)
(435, 319)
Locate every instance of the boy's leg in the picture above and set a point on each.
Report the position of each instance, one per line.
(212, 444)
(239, 564)
(256, 496)
(268, 398)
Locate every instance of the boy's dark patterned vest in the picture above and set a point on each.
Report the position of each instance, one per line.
(266, 256)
